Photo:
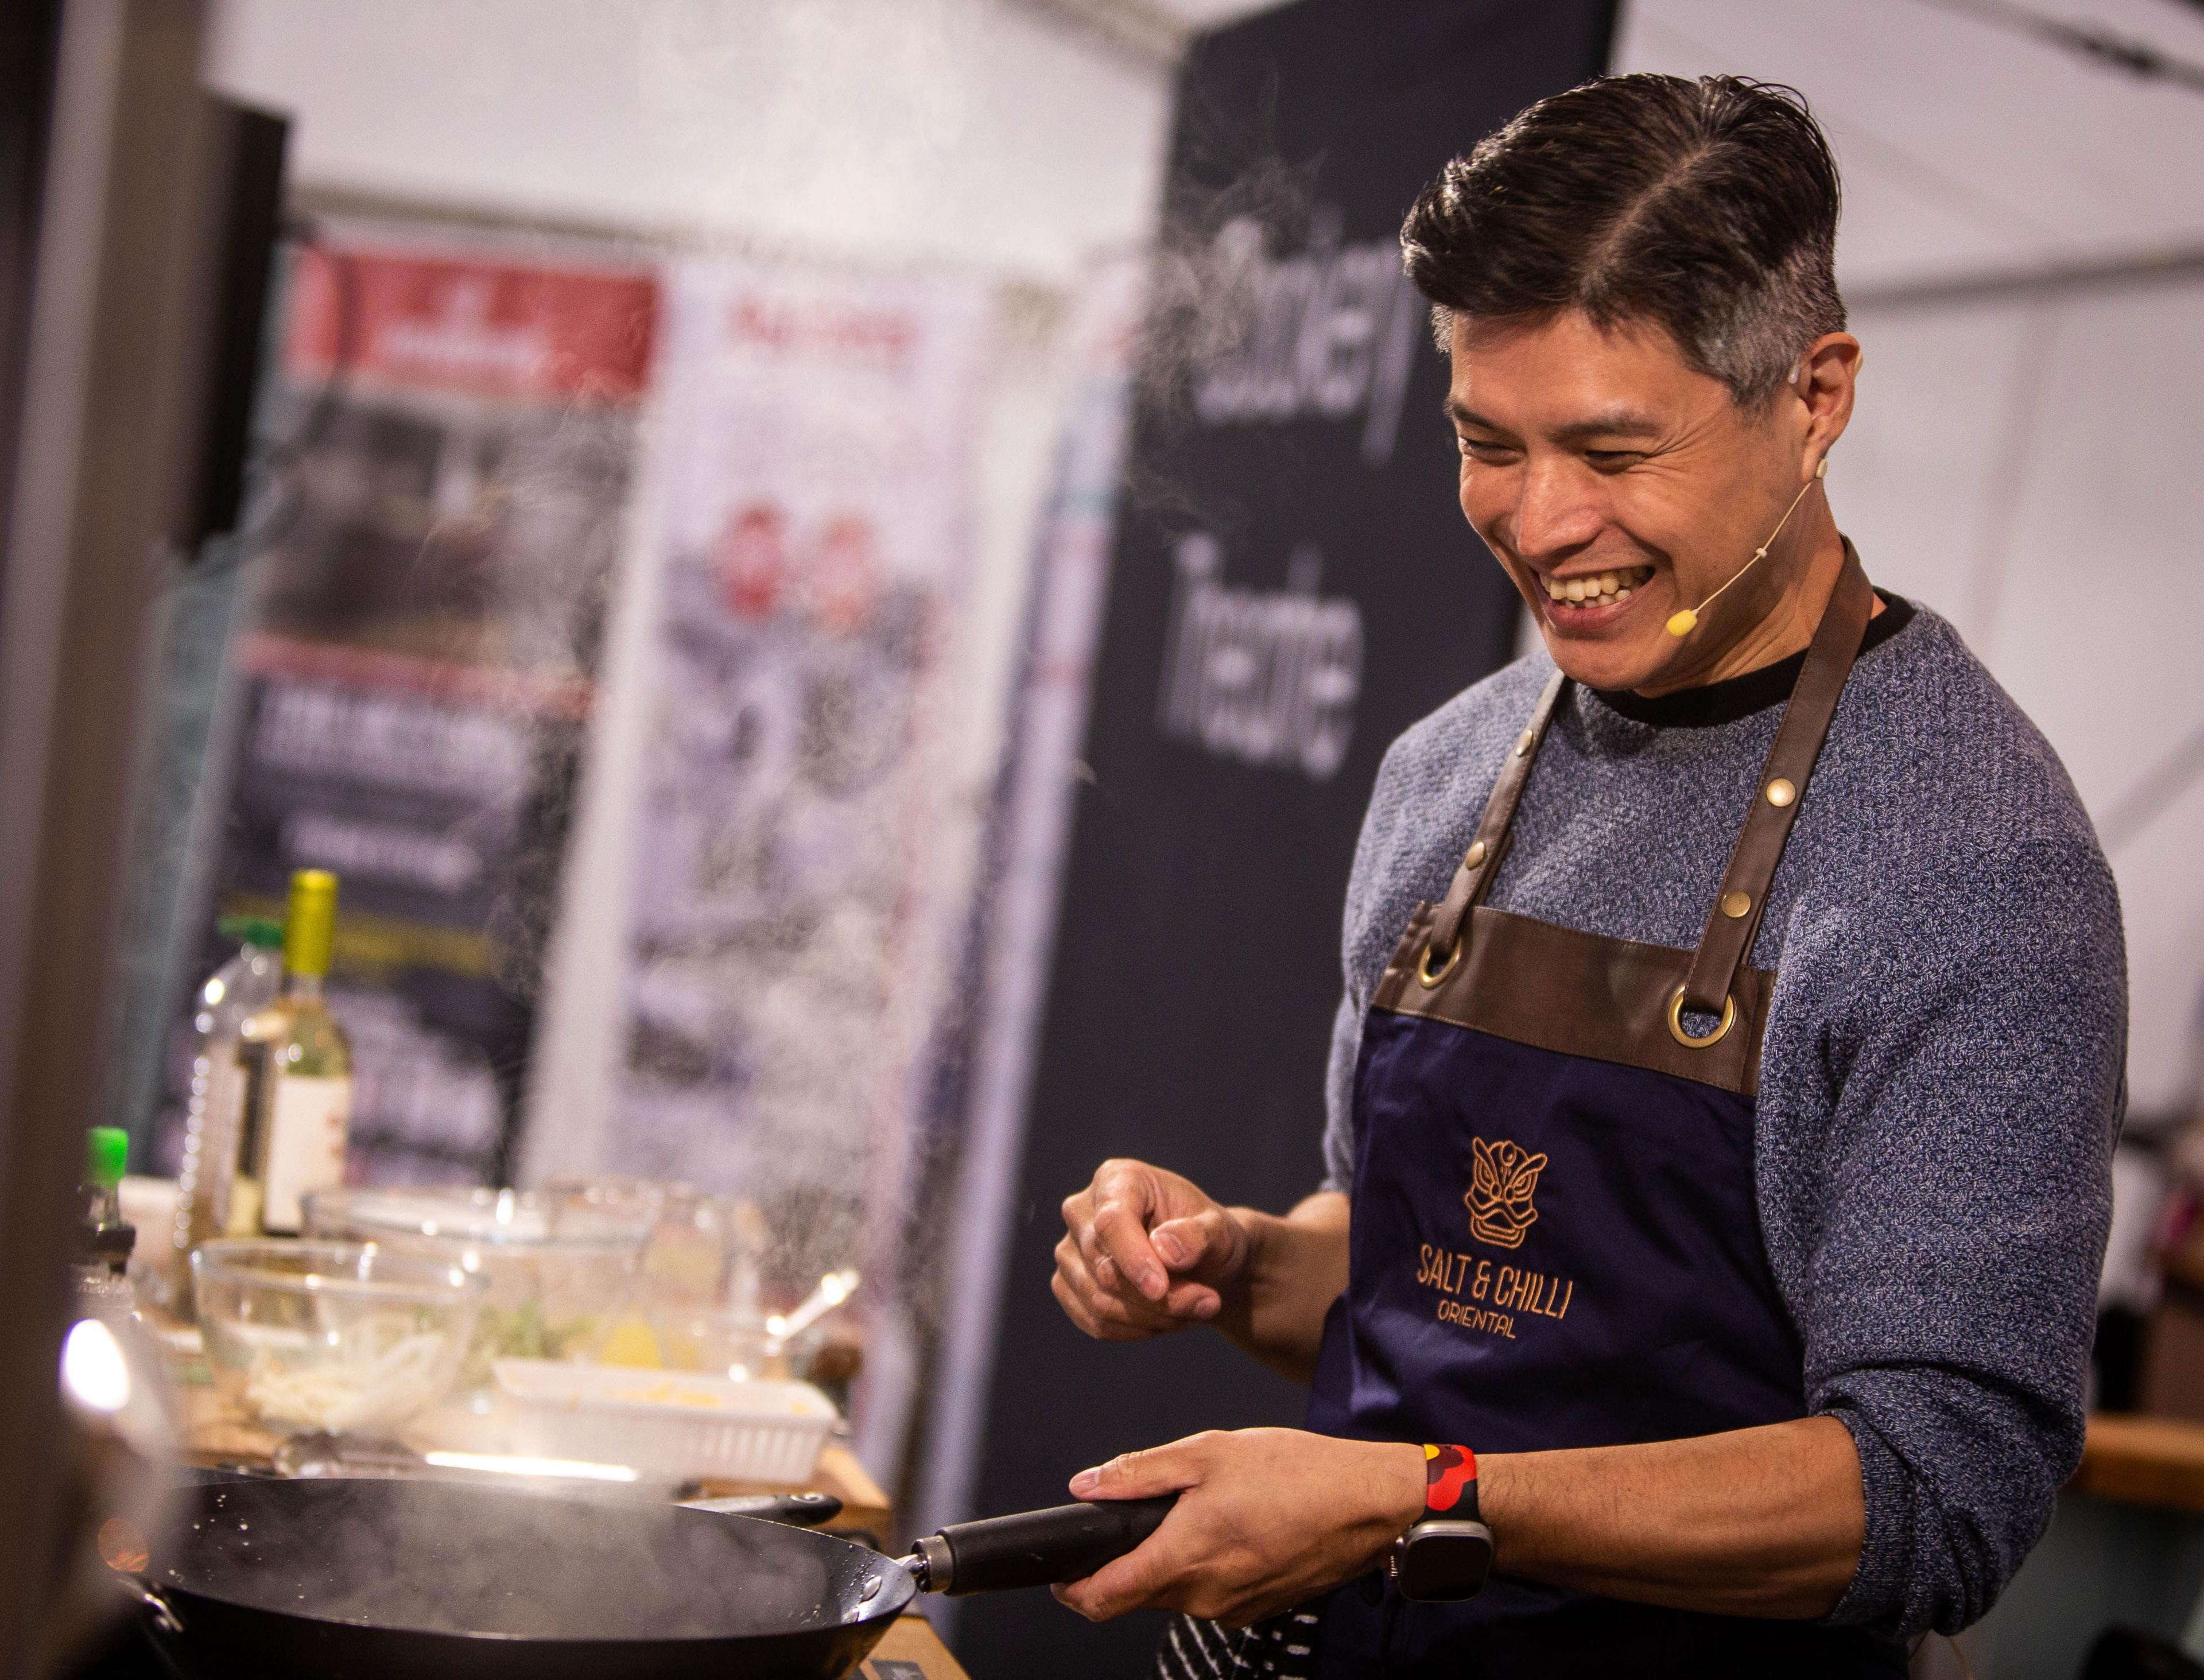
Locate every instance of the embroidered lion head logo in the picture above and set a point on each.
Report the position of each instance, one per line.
(1502, 1177)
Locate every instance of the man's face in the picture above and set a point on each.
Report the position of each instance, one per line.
(1618, 486)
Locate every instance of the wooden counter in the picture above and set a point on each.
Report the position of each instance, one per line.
(911, 1651)
(864, 1507)
(2141, 1460)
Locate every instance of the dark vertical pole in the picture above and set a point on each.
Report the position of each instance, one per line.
(100, 105)
(29, 33)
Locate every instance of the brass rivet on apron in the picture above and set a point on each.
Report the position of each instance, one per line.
(1524, 745)
(1735, 904)
(1780, 793)
(1474, 856)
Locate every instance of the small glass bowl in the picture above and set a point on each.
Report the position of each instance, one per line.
(348, 1337)
(557, 1268)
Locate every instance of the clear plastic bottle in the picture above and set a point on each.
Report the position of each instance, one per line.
(243, 987)
(105, 1239)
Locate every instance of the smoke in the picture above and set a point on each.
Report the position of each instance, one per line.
(821, 120)
(1233, 196)
(778, 994)
(770, 1037)
(451, 1559)
(1200, 306)
(1272, 328)
(556, 497)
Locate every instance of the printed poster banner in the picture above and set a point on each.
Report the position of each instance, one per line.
(792, 915)
(429, 599)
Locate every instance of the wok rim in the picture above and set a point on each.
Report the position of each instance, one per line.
(898, 1592)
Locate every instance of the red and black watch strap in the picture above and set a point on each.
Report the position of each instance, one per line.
(1447, 1552)
(1450, 1483)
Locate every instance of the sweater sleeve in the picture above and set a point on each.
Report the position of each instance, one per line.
(1339, 1096)
(1971, 1032)
(1377, 880)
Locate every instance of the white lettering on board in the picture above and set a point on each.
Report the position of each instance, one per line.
(1267, 677)
(1324, 332)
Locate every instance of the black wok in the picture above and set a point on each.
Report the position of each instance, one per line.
(378, 1579)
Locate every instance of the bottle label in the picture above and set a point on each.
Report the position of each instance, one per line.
(307, 1125)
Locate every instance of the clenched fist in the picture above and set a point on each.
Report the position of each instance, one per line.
(1146, 1252)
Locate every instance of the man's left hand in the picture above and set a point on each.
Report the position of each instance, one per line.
(1266, 1518)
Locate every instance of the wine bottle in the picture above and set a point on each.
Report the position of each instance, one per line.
(297, 1071)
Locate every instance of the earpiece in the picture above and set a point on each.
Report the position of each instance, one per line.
(1682, 623)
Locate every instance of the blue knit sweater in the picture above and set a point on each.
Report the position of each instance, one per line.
(1942, 1072)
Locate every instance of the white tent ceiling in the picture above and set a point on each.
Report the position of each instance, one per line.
(1967, 148)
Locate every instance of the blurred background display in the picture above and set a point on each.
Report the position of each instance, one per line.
(428, 605)
(790, 930)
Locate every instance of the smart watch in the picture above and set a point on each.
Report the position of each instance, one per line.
(1446, 1554)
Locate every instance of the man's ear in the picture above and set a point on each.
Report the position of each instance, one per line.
(1825, 383)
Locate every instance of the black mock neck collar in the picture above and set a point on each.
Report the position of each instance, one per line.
(1736, 697)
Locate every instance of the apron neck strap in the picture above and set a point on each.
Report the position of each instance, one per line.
(1735, 916)
(1481, 862)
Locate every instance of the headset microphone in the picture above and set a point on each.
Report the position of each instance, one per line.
(1681, 624)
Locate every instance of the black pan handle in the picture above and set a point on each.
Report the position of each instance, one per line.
(1034, 1548)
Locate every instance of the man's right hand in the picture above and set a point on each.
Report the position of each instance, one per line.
(1145, 1252)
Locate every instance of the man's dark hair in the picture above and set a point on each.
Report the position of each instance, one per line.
(1707, 207)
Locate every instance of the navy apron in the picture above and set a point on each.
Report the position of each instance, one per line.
(1555, 1241)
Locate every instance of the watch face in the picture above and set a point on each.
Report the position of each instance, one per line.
(1441, 1562)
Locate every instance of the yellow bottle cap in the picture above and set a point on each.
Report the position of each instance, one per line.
(310, 923)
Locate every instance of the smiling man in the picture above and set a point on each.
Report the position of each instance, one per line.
(1723, 1093)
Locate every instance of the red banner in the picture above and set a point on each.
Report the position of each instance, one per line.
(493, 329)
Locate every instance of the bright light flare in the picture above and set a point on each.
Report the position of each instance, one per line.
(123, 1546)
(502, 1464)
(94, 1373)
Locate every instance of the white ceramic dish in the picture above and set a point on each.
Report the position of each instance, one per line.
(671, 1424)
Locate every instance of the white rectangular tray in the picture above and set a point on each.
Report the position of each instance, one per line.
(667, 1423)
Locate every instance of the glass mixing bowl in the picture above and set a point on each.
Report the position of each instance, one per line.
(554, 1267)
(340, 1336)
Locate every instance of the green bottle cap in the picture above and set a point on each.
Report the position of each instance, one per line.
(264, 932)
(106, 1155)
(310, 923)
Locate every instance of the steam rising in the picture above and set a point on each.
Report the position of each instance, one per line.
(1197, 305)
(455, 1560)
